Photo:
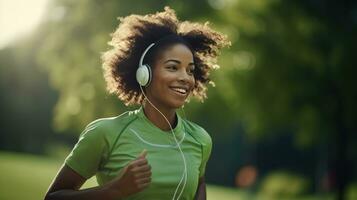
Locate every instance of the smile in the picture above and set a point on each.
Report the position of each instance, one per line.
(180, 91)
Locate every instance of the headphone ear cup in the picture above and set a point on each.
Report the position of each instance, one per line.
(143, 75)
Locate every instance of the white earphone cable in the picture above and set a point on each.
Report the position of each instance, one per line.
(184, 176)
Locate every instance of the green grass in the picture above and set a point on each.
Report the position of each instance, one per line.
(27, 177)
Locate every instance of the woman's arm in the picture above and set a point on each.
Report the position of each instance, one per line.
(66, 186)
(135, 177)
(201, 189)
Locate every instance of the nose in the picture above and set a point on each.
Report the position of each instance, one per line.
(184, 76)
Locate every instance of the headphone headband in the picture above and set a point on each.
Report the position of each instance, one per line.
(143, 55)
(171, 37)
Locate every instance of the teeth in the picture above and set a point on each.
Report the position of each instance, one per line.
(180, 90)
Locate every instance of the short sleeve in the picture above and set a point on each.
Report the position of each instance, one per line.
(206, 152)
(88, 152)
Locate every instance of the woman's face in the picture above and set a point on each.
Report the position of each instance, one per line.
(173, 78)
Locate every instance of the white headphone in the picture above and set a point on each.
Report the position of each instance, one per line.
(143, 73)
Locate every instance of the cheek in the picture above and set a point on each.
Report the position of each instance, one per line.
(156, 77)
(159, 83)
(192, 82)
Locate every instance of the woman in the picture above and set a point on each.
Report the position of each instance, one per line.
(157, 62)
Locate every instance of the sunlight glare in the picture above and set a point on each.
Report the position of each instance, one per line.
(18, 17)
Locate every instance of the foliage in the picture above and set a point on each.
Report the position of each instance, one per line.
(287, 69)
(26, 100)
(280, 184)
(352, 191)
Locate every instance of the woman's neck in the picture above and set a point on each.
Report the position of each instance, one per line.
(157, 119)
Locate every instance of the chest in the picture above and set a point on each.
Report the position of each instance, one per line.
(167, 162)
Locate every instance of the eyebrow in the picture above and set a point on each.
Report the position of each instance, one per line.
(176, 61)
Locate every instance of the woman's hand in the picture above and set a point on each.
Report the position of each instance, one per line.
(134, 177)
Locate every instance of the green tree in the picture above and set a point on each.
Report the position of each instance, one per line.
(293, 68)
(26, 100)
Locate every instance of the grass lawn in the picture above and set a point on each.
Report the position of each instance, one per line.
(27, 177)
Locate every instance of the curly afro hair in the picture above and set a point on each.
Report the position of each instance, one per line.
(136, 32)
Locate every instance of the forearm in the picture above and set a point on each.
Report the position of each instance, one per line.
(201, 190)
(95, 193)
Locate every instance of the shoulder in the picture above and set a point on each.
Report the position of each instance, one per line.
(109, 125)
(198, 132)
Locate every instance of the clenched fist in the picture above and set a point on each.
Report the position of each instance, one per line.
(134, 177)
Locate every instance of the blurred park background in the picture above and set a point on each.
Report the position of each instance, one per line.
(282, 113)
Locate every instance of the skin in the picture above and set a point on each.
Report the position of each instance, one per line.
(173, 68)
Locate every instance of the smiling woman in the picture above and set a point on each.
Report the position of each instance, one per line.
(157, 62)
(18, 17)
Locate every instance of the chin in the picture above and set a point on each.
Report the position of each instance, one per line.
(177, 104)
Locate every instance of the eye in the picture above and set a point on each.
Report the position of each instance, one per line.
(172, 67)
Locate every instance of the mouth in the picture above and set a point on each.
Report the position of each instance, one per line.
(181, 91)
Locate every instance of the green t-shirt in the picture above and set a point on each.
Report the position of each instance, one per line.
(107, 145)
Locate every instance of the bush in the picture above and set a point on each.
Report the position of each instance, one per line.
(352, 191)
(283, 185)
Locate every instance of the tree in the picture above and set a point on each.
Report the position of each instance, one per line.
(293, 68)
